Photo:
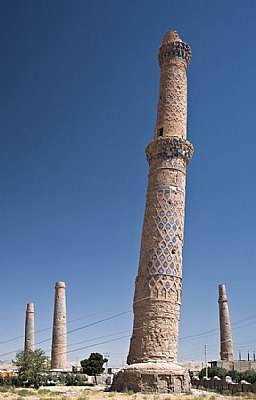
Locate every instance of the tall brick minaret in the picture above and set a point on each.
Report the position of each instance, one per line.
(59, 332)
(29, 344)
(159, 281)
(226, 346)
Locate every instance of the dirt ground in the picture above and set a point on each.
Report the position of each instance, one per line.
(98, 393)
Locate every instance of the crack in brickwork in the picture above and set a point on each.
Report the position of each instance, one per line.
(159, 278)
(158, 286)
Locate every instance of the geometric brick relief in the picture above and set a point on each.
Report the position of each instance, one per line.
(172, 106)
(159, 280)
(172, 149)
(163, 255)
(160, 268)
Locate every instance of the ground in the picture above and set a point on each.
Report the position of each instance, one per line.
(84, 393)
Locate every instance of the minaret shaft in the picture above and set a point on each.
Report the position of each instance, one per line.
(226, 345)
(29, 328)
(156, 306)
(172, 100)
(59, 333)
(159, 280)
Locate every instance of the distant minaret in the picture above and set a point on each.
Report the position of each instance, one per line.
(226, 346)
(59, 333)
(29, 328)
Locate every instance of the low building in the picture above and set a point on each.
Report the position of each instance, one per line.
(193, 366)
(7, 369)
(237, 365)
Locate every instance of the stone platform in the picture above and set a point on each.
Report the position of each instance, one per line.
(152, 377)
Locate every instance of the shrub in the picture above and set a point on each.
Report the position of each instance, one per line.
(75, 380)
(25, 393)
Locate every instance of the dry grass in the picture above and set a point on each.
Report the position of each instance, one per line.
(83, 393)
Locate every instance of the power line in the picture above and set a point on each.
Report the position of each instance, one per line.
(216, 330)
(76, 329)
(68, 322)
(87, 347)
(96, 344)
(49, 328)
(100, 337)
(211, 332)
(86, 326)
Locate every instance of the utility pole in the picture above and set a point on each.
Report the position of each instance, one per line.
(205, 359)
(106, 355)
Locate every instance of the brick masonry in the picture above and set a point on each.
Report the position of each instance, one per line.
(29, 344)
(226, 345)
(158, 284)
(59, 333)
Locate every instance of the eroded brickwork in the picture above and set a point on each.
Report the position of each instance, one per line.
(226, 345)
(154, 342)
(174, 56)
(29, 328)
(153, 378)
(159, 280)
(59, 333)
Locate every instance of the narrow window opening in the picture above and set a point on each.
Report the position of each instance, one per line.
(161, 132)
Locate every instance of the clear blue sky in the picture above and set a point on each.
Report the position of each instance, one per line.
(79, 84)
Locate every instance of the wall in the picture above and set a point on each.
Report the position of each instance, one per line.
(222, 384)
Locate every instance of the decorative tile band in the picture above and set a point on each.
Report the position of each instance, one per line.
(168, 188)
(174, 50)
(169, 148)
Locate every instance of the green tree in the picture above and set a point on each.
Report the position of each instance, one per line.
(234, 375)
(31, 365)
(202, 373)
(249, 376)
(62, 379)
(216, 371)
(75, 380)
(93, 365)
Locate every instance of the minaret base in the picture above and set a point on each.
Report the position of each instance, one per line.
(152, 377)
